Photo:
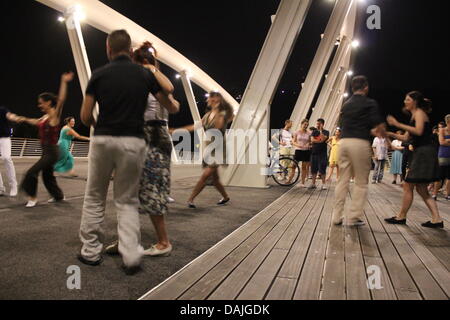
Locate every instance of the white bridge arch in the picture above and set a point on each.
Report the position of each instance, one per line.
(253, 113)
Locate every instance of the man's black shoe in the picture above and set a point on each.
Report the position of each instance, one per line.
(88, 262)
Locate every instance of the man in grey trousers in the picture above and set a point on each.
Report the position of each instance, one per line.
(121, 89)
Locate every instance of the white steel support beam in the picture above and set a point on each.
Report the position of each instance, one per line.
(190, 96)
(347, 32)
(187, 86)
(338, 61)
(79, 51)
(331, 101)
(255, 106)
(336, 108)
(321, 60)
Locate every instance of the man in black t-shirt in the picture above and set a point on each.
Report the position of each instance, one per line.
(360, 119)
(5, 153)
(121, 89)
(319, 153)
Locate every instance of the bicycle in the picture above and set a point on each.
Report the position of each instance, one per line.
(281, 170)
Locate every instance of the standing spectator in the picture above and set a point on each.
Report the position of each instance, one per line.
(444, 160)
(359, 117)
(334, 154)
(397, 159)
(319, 154)
(285, 142)
(380, 152)
(5, 152)
(121, 88)
(302, 144)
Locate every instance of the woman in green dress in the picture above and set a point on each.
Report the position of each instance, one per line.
(66, 162)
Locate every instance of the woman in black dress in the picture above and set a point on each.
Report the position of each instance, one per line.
(424, 165)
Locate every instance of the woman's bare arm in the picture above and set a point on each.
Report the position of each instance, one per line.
(19, 119)
(65, 79)
(168, 101)
(164, 82)
(75, 134)
(420, 118)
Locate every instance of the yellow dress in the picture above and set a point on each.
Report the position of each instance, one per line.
(334, 154)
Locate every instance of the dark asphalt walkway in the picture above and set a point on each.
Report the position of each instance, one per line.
(38, 245)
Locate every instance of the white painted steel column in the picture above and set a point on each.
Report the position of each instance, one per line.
(319, 109)
(348, 31)
(187, 86)
(331, 101)
(79, 51)
(321, 60)
(254, 111)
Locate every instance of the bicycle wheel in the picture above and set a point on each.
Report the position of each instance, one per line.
(284, 170)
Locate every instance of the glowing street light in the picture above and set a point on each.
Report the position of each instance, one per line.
(355, 44)
(350, 73)
(61, 19)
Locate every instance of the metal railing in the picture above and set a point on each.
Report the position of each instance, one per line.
(21, 148)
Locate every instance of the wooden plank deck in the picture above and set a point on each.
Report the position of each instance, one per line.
(291, 251)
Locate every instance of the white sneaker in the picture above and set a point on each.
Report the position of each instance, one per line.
(324, 188)
(31, 204)
(155, 252)
(312, 187)
(13, 192)
(170, 200)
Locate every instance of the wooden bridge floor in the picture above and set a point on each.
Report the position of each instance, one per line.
(291, 251)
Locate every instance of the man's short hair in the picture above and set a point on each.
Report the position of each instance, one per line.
(447, 118)
(119, 41)
(359, 83)
(322, 121)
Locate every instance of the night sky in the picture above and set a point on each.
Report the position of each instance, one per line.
(224, 38)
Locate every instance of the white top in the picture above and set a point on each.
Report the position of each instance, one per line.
(381, 148)
(397, 143)
(155, 111)
(286, 137)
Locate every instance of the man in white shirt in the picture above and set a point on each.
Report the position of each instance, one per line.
(5, 152)
(380, 151)
(284, 139)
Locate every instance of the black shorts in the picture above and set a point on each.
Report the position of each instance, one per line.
(319, 163)
(303, 156)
